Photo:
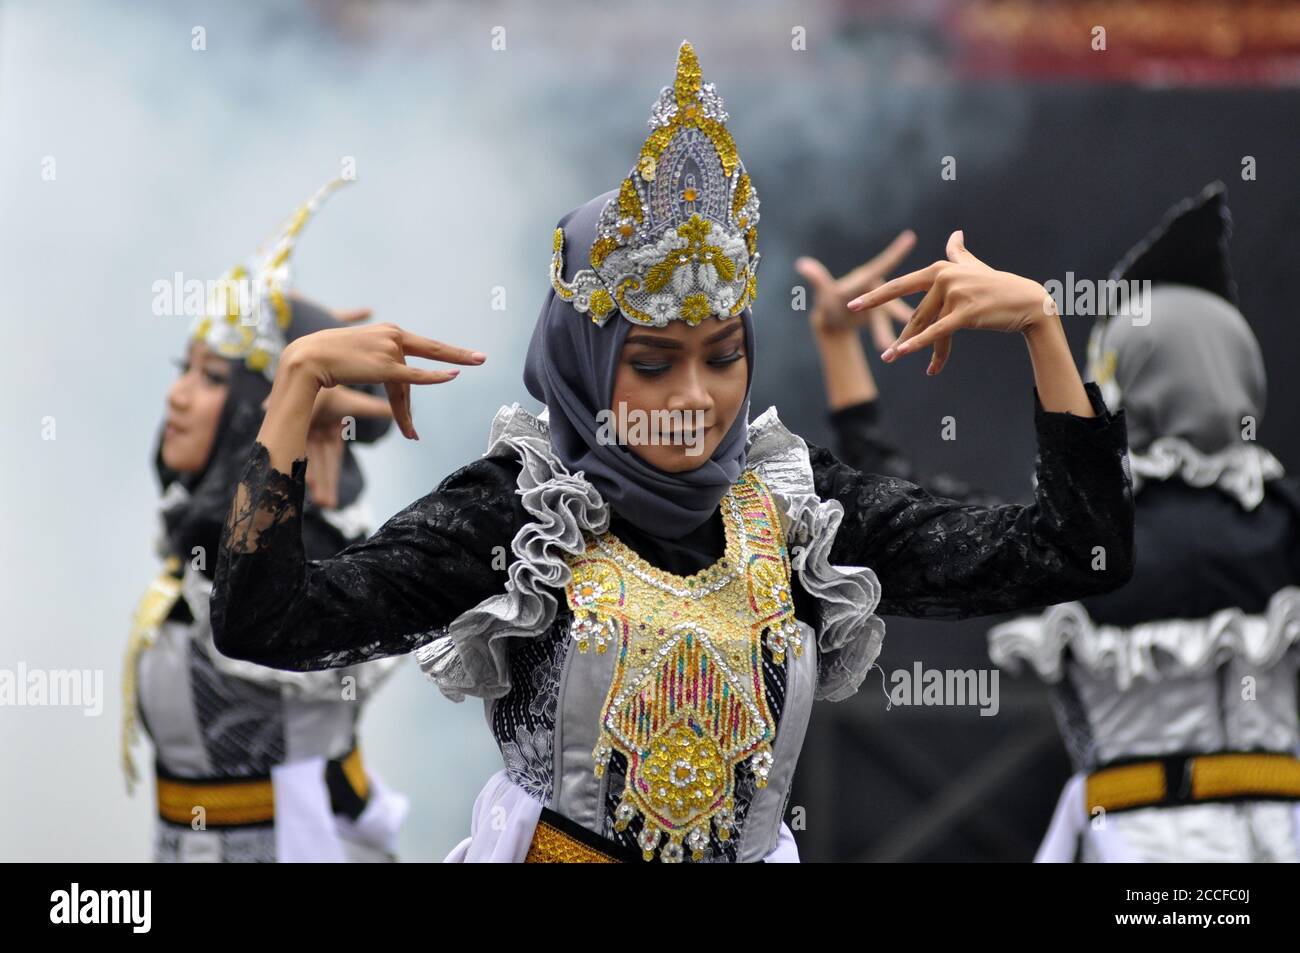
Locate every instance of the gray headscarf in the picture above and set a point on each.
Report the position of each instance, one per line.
(1192, 371)
(571, 366)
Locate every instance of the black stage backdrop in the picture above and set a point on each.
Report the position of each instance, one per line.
(1093, 169)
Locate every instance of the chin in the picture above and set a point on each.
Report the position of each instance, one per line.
(176, 458)
(677, 460)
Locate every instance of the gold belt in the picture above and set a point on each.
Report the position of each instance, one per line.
(1192, 779)
(558, 840)
(240, 802)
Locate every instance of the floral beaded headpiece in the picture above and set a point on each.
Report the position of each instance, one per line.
(680, 240)
(248, 312)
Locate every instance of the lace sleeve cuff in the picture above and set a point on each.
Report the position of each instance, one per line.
(265, 499)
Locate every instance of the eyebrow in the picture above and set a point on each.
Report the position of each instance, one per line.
(651, 341)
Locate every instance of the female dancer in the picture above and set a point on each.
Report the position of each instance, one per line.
(253, 764)
(1176, 696)
(648, 589)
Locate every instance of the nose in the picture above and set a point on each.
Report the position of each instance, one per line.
(692, 392)
(178, 395)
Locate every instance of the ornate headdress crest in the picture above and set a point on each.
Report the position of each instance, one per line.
(680, 240)
(248, 312)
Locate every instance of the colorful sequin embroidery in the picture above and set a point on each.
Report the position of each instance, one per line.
(686, 705)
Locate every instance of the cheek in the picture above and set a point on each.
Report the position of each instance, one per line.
(207, 414)
(730, 392)
(636, 392)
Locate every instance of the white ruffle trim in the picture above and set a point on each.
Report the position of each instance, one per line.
(1240, 471)
(1149, 651)
(470, 656)
(849, 633)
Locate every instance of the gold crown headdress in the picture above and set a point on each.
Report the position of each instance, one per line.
(248, 311)
(680, 240)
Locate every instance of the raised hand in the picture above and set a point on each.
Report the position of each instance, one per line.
(961, 292)
(373, 354)
(377, 354)
(830, 314)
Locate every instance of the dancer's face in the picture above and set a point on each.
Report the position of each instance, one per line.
(699, 372)
(194, 405)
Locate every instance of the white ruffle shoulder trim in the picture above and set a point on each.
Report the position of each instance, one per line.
(1149, 651)
(1239, 471)
(470, 656)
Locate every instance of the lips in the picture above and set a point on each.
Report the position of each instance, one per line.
(686, 435)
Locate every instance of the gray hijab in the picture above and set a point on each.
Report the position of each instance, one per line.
(1185, 366)
(1194, 371)
(571, 367)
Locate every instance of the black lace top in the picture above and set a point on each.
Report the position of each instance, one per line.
(448, 551)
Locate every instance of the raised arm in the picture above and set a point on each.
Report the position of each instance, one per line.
(943, 558)
(382, 596)
(386, 595)
(940, 557)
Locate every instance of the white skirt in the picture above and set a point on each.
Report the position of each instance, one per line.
(505, 817)
(1240, 832)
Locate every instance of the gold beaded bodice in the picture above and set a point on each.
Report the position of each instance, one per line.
(686, 705)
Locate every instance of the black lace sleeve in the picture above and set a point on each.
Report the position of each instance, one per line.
(943, 558)
(862, 442)
(385, 595)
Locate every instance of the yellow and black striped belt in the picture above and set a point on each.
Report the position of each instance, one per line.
(1183, 779)
(246, 801)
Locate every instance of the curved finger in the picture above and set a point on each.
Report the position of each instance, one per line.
(957, 251)
(944, 327)
(410, 415)
(922, 318)
(942, 348)
(886, 261)
(419, 375)
(399, 397)
(903, 285)
(427, 347)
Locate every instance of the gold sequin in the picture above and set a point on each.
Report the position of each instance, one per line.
(687, 704)
(629, 203)
(687, 165)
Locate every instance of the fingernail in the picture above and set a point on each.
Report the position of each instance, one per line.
(453, 372)
(479, 356)
(888, 354)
